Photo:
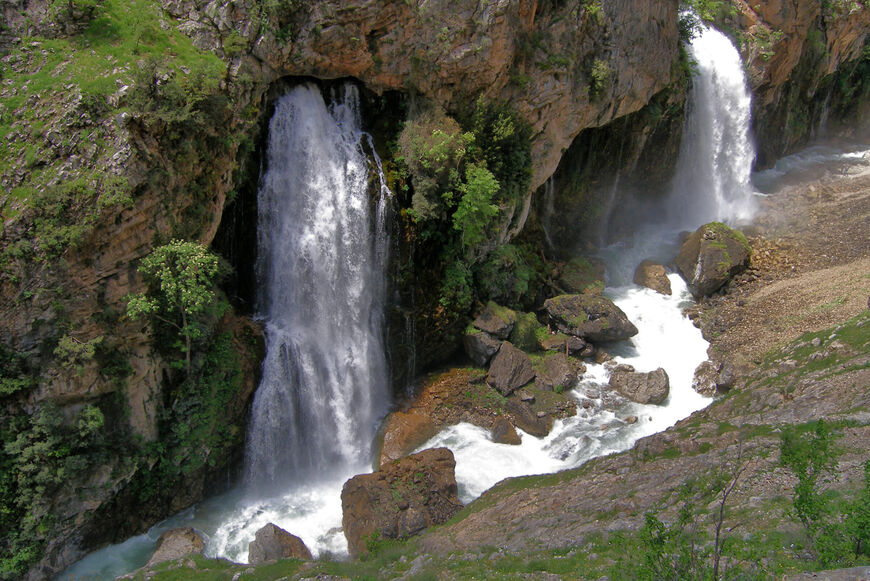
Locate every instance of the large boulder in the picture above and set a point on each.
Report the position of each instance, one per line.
(652, 387)
(510, 369)
(480, 346)
(589, 317)
(177, 543)
(527, 332)
(404, 433)
(401, 499)
(654, 276)
(272, 543)
(503, 432)
(558, 372)
(496, 320)
(711, 256)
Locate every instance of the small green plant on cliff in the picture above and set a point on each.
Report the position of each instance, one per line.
(181, 278)
(599, 79)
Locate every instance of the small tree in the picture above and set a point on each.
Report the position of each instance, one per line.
(181, 277)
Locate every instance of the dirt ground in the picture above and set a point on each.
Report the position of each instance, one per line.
(810, 268)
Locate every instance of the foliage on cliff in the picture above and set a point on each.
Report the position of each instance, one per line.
(467, 180)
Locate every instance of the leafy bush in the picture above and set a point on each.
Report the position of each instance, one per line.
(475, 211)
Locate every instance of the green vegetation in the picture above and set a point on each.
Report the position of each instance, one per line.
(468, 179)
(41, 453)
(599, 79)
(838, 530)
(181, 278)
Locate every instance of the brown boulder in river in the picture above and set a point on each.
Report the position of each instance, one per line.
(589, 317)
(652, 387)
(272, 543)
(401, 499)
(654, 276)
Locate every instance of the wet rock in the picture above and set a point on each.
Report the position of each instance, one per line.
(654, 276)
(652, 387)
(480, 346)
(404, 433)
(630, 419)
(558, 372)
(536, 423)
(175, 544)
(401, 499)
(711, 256)
(510, 369)
(272, 543)
(503, 432)
(496, 320)
(589, 317)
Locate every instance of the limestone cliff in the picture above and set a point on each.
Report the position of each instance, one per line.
(107, 154)
(803, 60)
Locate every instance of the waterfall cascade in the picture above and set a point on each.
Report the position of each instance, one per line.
(712, 180)
(322, 249)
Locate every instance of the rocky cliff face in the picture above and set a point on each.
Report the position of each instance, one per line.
(801, 57)
(562, 66)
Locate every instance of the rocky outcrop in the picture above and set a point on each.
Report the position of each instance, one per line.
(582, 67)
(654, 276)
(480, 346)
(462, 395)
(711, 256)
(272, 543)
(496, 320)
(645, 388)
(400, 500)
(589, 317)
(403, 433)
(800, 56)
(713, 378)
(511, 369)
(177, 543)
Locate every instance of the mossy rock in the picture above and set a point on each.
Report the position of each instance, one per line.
(711, 256)
(528, 332)
(496, 320)
(583, 276)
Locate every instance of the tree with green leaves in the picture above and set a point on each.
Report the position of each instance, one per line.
(181, 278)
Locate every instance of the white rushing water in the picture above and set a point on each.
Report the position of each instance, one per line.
(712, 180)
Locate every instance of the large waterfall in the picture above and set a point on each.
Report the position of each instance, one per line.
(712, 180)
(321, 273)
